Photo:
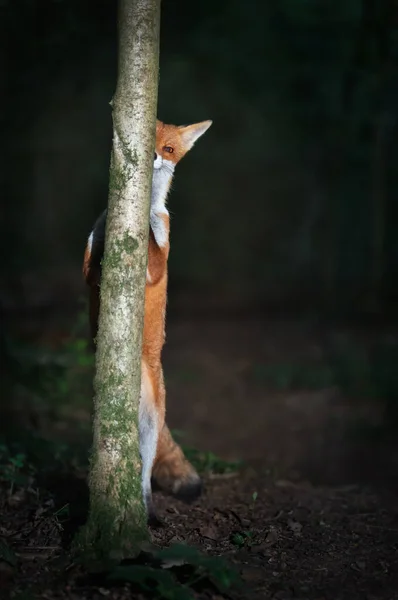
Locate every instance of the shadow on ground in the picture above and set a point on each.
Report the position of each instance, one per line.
(310, 513)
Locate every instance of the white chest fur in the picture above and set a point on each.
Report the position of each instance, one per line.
(160, 188)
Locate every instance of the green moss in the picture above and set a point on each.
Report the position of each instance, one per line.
(115, 419)
(117, 523)
(134, 157)
(112, 381)
(113, 257)
(114, 531)
(117, 179)
(118, 259)
(112, 413)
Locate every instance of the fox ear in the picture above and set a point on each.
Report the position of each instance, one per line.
(191, 133)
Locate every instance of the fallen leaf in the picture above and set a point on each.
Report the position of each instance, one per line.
(252, 574)
(209, 532)
(295, 526)
(272, 537)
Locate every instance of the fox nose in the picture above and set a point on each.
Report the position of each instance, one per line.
(155, 156)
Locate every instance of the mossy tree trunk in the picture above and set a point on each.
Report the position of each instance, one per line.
(117, 522)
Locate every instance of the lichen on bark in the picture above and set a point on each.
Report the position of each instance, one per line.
(117, 523)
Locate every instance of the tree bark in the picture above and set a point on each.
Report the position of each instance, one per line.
(117, 522)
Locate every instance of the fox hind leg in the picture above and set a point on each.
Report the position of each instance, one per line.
(149, 433)
(172, 472)
(164, 465)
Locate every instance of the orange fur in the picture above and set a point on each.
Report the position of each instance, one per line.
(171, 471)
(86, 263)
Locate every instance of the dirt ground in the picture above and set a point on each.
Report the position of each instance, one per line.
(311, 513)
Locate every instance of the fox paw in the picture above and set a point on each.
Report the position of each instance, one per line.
(187, 488)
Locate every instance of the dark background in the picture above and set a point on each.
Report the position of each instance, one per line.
(289, 201)
(284, 253)
(281, 361)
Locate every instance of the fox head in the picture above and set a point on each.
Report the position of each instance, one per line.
(173, 142)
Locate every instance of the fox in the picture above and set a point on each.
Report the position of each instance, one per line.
(164, 465)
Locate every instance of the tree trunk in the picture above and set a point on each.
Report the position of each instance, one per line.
(117, 523)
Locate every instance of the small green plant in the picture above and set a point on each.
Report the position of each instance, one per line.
(242, 538)
(207, 462)
(13, 467)
(180, 569)
(253, 502)
(238, 539)
(156, 581)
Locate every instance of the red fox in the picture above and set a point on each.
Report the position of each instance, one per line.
(163, 462)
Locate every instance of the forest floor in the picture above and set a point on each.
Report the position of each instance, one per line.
(299, 465)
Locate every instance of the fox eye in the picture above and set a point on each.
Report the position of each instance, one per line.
(168, 149)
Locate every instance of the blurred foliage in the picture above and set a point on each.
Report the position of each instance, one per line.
(179, 571)
(55, 380)
(12, 467)
(289, 198)
(52, 386)
(206, 462)
(358, 372)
